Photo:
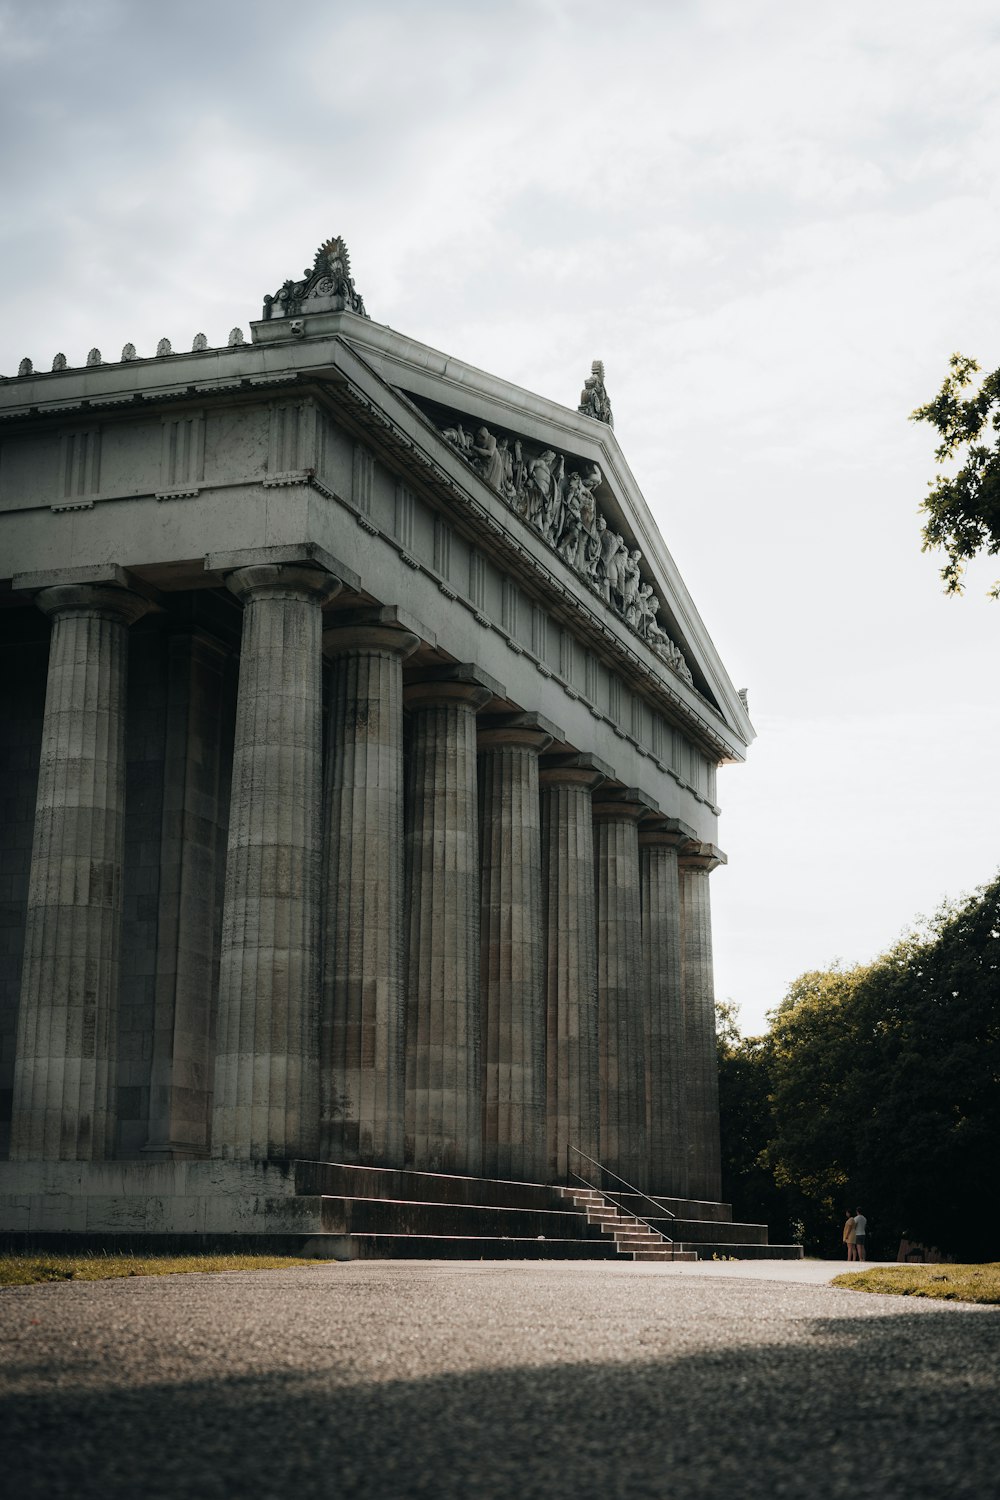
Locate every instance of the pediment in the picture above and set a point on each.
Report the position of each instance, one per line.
(457, 402)
(563, 497)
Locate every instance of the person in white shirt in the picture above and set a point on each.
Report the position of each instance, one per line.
(860, 1233)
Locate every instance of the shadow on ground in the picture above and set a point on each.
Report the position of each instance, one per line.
(892, 1406)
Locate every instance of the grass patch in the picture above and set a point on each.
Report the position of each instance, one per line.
(949, 1283)
(30, 1270)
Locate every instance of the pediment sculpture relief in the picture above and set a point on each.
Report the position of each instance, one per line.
(559, 503)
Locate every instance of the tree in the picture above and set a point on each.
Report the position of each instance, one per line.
(746, 1125)
(963, 510)
(877, 1084)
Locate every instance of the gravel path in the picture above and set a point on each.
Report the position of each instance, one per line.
(493, 1380)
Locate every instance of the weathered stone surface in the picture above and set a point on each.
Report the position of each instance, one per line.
(701, 1071)
(186, 975)
(443, 1015)
(619, 991)
(332, 445)
(363, 1004)
(571, 969)
(267, 1053)
(64, 1069)
(666, 1102)
(512, 953)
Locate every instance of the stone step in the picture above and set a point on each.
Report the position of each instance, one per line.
(345, 1180)
(709, 1231)
(680, 1208)
(463, 1247)
(348, 1216)
(729, 1251)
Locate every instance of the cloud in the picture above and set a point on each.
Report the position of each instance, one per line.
(772, 222)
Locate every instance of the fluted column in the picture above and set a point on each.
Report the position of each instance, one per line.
(570, 967)
(619, 991)
(443, 1056)
(181, 1070)
(64, 1072)
(512, 952)
(267, 1052)
(362, 1026)
(702, 1072)
(666, 1101)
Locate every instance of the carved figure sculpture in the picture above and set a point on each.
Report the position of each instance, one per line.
(459, 438)
(629, 580)
(563, 508)
(594, 398)
(490, 458)
(540, 475)
(517, 480)
(552, 516)
(613, 552)
(648, 605)
(572, 521)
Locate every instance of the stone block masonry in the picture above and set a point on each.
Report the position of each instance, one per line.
(357, 781)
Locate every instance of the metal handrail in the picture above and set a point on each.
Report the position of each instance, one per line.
(658, 1206)
(609, 1197)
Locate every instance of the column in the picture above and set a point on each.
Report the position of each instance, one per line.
(443, 1057)
(362, 1027)
(570, 966)
(64, 1072)
(666, 1103)
(702, 1072)
(267, 1052)
(512, 950)
(622, 1066)
(182, 1063)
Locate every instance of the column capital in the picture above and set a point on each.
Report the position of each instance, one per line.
(705, 857)
(581, 769)
(624, 804)
(305, 581)
(441, 687)
(341, 640)
(107, 601)
(300, 554)
(527, 731)
(668, 833)
(393, 616)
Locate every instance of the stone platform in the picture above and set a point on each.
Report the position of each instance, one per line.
(344, 1212)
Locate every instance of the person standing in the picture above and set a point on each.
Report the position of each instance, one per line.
(860, 1234)
(848, 1235)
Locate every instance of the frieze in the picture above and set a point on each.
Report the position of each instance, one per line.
(558, 501)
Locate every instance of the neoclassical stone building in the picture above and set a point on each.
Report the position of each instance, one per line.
(358, 754)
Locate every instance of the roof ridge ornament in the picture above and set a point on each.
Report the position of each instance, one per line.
(594, 401)
(327, 287)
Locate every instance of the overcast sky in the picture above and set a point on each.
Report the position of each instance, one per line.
(773, 222)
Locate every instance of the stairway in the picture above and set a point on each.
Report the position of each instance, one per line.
(634, 1238)
(360, 1213)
